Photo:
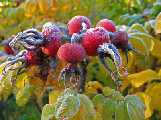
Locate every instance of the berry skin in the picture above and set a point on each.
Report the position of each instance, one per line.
(51, 48)
(31, 58)
(94, 37)
(75, 24)
(51, 31)
(120, 39)
(107, 24)
(71, 53)
(8, 50)
(53, 36)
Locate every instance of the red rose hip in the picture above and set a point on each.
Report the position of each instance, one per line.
(94, 37)
(52, 34)
(71, 53)
(107, 24)
(77, 23)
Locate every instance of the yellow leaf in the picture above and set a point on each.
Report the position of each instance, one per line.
(44, 5)
(156, 49)
(158, 24)
(142, 41)
(138, 79)
(53, 96)
(30, 7)
(159, 73)
(137, 28)
(146, 99)
(131, 58)
(154, 91)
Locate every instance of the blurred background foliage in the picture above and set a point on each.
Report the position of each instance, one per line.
(140, 18)
(20, 14)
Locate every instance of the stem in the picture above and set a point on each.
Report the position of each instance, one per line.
(83, 74)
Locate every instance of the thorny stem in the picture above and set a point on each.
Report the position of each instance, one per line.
(83, 74)
(108, 49)
(70, 73)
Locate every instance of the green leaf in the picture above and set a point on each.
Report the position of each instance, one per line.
(48, 112)
(121, 111)
(109, 108)
(23, 95)
(98, 102)
(87, 111)
(135, 107)
(67, 105)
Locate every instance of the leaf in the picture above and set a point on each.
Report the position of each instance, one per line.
(121, 112)
(138, 79)
(6, 81)
(21, 80)
(53, 96)
(23, 95)
(5, 88)
(98, 102)
(67, 105)
(139, 44)
(156, 49)
(158, 24)
(154, 91)
(87, 111)
(109, 108)
(137, 107)
(48, 112)
(149, 25)
(147, 100)
(137, 28)
(131, 58)
(145, 38)
(44, 6)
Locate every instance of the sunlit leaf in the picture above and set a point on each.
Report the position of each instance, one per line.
(53, 96)
(158, 24)
(86, 111)
(135, 107)
(145, 41)
(154, 91)
(48, 112)
(138, 79)
(121, 112)
(146, 99)
(156, 50)
(67, 105)
(24, 95)
(137, 28)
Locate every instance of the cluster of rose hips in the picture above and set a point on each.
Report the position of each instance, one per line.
(32, 47)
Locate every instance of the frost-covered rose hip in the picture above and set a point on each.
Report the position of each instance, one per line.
(94, 37)
(72, 53)
(52, 35)
(78, 23)
(120, 40)
(96, 41)
(109, 25)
